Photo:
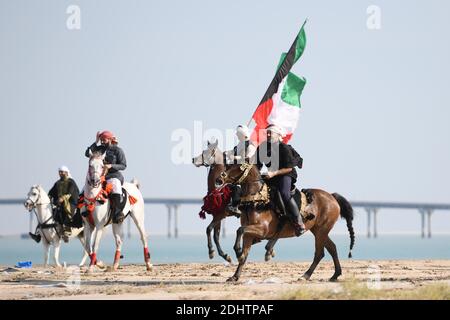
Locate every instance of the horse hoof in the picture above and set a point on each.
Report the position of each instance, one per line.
(267, 257)
(232, 279)
(305, 277)
(272, 254)
(149, 266)
(334, 278)
(211, 254)
(228, 258)
(100, 265)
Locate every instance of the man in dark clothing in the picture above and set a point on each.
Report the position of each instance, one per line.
(64, 196)
(115, 161)
(281, 160)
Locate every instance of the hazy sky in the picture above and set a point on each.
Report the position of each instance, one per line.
(375, 117)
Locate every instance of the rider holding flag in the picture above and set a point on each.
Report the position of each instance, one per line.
(115, 162)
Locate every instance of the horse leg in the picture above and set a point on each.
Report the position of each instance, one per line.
(85, 250)
(208, 236)
(217, 242)
(56, 253)
(318, 254)
(271, 243)
(247, 243)
(117, 232)
(46, 253)
(237, 244)
(269, 249)
(95, 242)
(331, 248)
(139, 222)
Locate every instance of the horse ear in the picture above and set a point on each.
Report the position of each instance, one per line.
(215, 143)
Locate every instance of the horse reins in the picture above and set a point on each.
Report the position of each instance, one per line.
(45, 224)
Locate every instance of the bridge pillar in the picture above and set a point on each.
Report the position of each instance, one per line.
(429, 212)
(169, 216)
(175, 227)
(31, 222)
(375, 231)
(422, 215)
(369, 211)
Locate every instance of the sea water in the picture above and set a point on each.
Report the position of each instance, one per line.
(193, 248)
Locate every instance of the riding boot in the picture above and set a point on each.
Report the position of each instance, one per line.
(35, 237)
(233, 206)
(117, 214)
(296, 218)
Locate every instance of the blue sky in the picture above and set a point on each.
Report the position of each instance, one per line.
(374, 122)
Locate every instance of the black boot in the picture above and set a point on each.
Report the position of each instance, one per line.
(35, 237)
(233, 206)
(117, 214)
(294, 213)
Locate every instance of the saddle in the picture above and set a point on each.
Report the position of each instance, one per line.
(101, 198)
(270, 197)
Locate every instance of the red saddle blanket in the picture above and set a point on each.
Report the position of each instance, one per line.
(101, 197)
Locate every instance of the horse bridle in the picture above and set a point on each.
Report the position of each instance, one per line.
(102, 178)
(45, 224)
(212, 156)
(245, 169)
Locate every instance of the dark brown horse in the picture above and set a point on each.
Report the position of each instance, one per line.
(213, 158)
(259, 224)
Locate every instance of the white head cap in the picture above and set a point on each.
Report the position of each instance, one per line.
(243, 129)
(64, 169)
(276, 129)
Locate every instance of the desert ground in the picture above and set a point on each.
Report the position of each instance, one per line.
(395, 279)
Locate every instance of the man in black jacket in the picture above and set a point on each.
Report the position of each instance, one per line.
(115, 162)
(281, 160)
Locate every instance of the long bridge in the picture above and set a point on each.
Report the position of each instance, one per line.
(372, 209)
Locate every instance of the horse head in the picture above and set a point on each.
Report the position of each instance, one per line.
(36, 196)
(97, 169)
(209, 156)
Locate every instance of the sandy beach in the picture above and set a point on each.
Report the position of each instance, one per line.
(395, 279)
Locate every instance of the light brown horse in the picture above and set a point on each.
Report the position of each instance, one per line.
(259, 224)
(213, 158)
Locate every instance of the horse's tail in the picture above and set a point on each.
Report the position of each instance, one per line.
(347, 214)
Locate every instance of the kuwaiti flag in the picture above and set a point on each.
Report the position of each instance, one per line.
(281, 102)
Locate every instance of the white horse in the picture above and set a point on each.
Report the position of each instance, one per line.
(98, 217)
(39, 202)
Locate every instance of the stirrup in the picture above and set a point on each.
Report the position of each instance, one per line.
(35, 237)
